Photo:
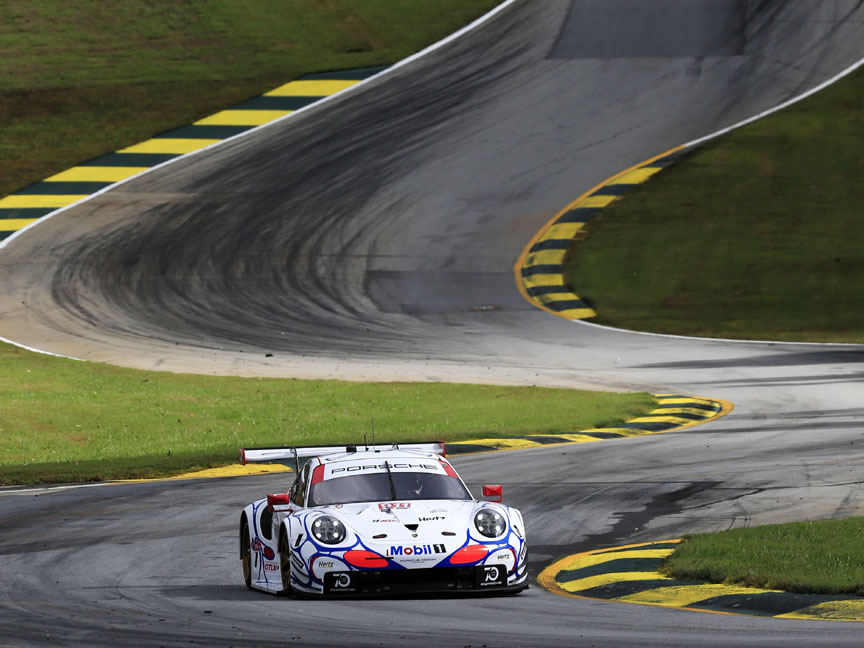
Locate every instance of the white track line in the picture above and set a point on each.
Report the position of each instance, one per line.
(779, 107)
(723, 340)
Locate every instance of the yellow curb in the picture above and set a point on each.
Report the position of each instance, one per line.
(234, 470)
(635, 174)
(311, 88)
(242, 117)
(675, 596)
(583, 436)
(852, 610)
(96, 174)
(14, 224)
(546, 578)
(38, 201)
(169, 145)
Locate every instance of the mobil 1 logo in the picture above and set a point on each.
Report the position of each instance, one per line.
(490, 576)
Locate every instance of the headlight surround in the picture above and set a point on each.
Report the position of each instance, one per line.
(328, 530)
(490, 523)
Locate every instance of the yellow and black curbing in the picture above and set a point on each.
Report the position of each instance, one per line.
(630, 574)
(672, 412)
(27, 206)
(540, 268)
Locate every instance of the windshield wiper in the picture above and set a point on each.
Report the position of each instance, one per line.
(390, 479)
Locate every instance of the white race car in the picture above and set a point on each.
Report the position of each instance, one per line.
(361, 521)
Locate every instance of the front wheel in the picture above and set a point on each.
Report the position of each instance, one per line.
(246, 553)
(285, 563)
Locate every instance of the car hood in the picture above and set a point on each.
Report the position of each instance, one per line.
(406, 521)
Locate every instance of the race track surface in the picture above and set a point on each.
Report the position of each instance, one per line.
(374, 238)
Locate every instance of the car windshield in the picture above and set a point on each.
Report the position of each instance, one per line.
(376, 488)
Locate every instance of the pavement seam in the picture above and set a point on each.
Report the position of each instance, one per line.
(630, 574)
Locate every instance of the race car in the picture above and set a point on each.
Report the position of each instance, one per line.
(377, 521)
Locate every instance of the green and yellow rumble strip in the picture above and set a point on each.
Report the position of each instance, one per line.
(540, 268)
(19, 210)
(630, 574)
(673, 412)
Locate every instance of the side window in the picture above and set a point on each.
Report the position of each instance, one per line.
(299, 489)
(266, 523)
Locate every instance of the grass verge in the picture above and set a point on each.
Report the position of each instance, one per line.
(63, 420)
(804, 557)
(78, 80)
(755, 235)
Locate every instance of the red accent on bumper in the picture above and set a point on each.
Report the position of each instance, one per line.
(365, 559)
(469, 554)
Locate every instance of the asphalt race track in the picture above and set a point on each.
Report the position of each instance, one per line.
(374, 238)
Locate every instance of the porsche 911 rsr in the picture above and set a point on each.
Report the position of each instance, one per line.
(379, 521)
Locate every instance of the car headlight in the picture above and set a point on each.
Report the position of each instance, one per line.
(490, 522)
(328, 530)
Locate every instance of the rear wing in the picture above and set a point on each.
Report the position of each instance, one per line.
(285, 454)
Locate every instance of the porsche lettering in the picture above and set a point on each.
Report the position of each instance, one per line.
(398, 466)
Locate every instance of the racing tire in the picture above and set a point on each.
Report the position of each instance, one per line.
(246, 552)
(285, 563)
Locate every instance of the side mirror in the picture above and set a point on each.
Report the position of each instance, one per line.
(279, 502)
(493, 491)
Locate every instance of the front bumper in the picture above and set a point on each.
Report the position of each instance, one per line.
(480, 578)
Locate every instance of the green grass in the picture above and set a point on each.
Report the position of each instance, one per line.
(804, 557)
(64, 420)
(756, 235)
(79, 78)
